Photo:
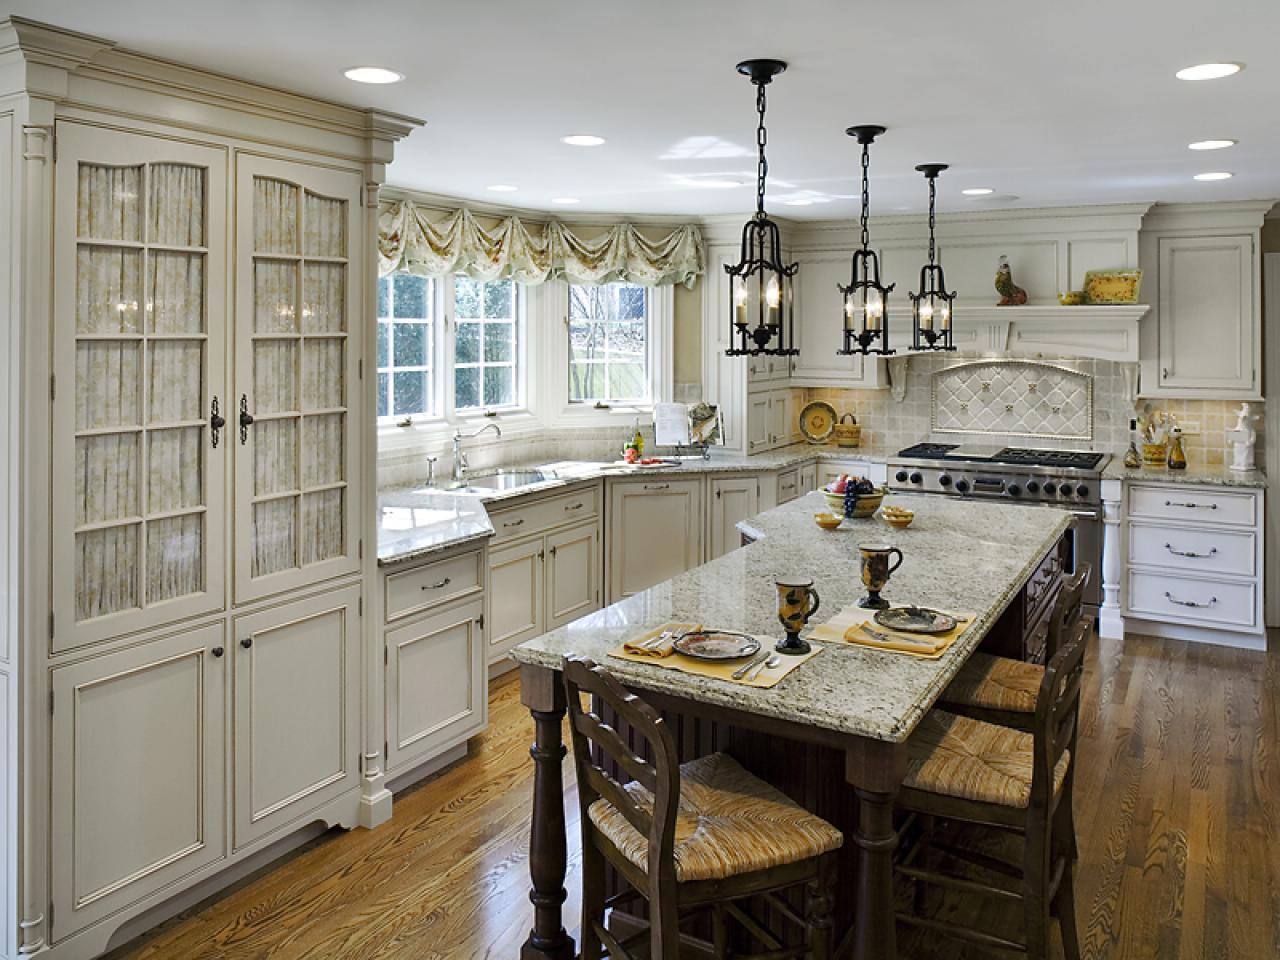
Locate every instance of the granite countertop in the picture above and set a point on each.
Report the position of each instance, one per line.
(1196, 473)
(960, 555)
(415, 523)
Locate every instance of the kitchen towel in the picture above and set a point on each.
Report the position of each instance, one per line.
(847, 627)
(716, 669)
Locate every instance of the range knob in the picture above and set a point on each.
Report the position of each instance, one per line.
(1049, 489)
(962, 486)
(901, 476)
(945, 480)
(917, 478)
(1082, 491)
(1033, 486)
(1065, 489)
(1013, 490)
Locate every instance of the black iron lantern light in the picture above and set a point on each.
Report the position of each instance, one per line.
(866, 299)
(760, 284)
(931, 307)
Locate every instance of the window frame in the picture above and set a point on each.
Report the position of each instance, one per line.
(520, 357)
(433, 323)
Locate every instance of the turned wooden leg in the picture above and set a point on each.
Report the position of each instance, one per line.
(817, 909)
(874, 936)
(548, 854)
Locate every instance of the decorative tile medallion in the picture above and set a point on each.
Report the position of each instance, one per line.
(1020, 397)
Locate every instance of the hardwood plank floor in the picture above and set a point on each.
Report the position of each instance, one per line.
(1177, 799)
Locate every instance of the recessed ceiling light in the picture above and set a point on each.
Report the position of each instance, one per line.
(565, 200)
(1215, 175)
(798, 202)
(1211, 144)
(503, 188)
(711, 183)
(582, 140)
(977, 191)
(1209, 71)
(373, 75)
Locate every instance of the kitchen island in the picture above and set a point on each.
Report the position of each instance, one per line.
(852, 705)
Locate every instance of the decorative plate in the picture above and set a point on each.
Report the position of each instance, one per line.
(916, 620)
(716, 645)
(1112, 286)
(818, 421)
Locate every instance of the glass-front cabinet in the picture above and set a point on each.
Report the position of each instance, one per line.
(139, 466)
(298, 288)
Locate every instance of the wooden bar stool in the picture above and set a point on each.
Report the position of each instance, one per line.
(961, 770)
(1004, 691)
(688, 838)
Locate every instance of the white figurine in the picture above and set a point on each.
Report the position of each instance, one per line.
(1242, 438)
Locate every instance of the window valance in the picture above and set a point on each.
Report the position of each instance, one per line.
(409, 241)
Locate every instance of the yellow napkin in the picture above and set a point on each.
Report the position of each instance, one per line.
(636, 646)
(719, 669)
(849, 626)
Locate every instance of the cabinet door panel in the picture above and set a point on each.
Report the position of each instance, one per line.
(1207, 314)
(299, 303)
(516, 592)
(138, 784)
(436, 685)
(573, 574)
(139, 346)
(819, 331)
(759, 422)
(732, 500)
(655, 532)
(297, 716)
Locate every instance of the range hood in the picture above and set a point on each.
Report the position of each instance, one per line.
(1103, 332)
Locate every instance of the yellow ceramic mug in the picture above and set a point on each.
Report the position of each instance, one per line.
(876, 571)
(797, 602)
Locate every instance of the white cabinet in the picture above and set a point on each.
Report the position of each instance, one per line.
(573, 574)
(655, 532)
(772, 420)
(819, 328)
(516, 594)
(139, 789)
(729, 500)
(830, 470)
(297, 710)
(808, 478)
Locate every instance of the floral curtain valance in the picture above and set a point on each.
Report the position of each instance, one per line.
(409, 241)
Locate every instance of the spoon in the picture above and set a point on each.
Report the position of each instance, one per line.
(762, 666)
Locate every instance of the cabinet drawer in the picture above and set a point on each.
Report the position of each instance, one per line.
(1194, 549)
(433, 584)
(1218, 603)
(1191, 503)
(788, 486)
(530, 518)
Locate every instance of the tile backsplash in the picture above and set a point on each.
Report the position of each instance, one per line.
(898, 423)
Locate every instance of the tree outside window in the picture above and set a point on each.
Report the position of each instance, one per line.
(609, 343)
(405, 326)
(485, 348)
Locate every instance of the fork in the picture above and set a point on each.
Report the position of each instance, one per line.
(759, 660)
(885, 638)
(767, 664)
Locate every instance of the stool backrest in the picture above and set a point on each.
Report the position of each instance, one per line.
(1067, 610)
(660, 775)
(1057, 710)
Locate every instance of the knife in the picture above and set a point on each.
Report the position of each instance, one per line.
(743, 671)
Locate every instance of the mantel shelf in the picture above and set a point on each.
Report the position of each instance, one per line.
(967, 313)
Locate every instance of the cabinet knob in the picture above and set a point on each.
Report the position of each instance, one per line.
(246, 419)
(216, 422)
(247, 642)
(217, 651)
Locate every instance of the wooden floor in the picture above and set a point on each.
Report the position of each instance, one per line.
(1177, 798)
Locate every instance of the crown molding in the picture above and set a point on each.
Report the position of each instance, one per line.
(1229, 214)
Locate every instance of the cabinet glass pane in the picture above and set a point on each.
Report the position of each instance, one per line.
(107, 475)
(109, 203)
(108, 383)
(174, 469)
(275, 456)
(274, 296)
(326, 227)
(323, 374)
(108, 290)
(175, 557)
(107, 565)
(275, 216)
(275, 375)
(322, 449)
(324, 297)
(323, 522)
(175, 292)
(175, 214)
(175, 374)
(273, 536)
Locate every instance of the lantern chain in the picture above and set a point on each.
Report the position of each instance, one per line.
(762, 138)
(866, 195)
(933, 191)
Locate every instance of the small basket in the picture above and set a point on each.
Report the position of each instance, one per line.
(848, 434)
(1155, 454)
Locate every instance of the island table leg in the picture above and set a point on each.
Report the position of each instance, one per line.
(543, 694)
(874, 770)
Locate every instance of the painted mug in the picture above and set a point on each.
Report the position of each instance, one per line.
(797, 602)
(876, 571)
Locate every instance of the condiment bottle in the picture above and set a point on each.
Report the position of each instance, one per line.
(1177, 458)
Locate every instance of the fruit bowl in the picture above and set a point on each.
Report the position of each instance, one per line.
(865, 504)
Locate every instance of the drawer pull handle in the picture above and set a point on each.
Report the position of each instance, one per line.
(1191, 505)
(657, 486)
(573, 506)
(1189, 603)
(1189, 553)
(438, 586)
(514, 523)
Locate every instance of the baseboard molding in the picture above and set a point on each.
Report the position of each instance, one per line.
(1177, 631)
(433, 766)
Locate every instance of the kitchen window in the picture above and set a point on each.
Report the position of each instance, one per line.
(486, 370)
(609, 344)
(406, 324)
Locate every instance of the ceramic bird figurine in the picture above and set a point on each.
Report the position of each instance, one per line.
(1011, 295)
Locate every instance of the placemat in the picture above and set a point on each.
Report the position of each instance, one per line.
(846, 627)
(767, 677)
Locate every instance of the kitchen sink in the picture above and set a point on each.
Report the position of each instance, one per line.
(501, 480)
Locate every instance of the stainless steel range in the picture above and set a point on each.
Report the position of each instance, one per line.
(1066, 479)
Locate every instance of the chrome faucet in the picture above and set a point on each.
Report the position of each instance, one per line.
(460, 458)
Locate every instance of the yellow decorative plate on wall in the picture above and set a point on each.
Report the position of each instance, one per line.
(1112, 286)
(818, 421)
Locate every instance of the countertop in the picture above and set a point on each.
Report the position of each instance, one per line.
(415, 523)
(1196, 473)
(960, 555)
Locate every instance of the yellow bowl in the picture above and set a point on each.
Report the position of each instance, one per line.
(827, 521)
(899, 521)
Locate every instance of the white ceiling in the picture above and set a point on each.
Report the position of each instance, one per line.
(1049, 103)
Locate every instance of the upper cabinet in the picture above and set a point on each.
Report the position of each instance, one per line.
(139, 339)
(298, 291)
(820, 331)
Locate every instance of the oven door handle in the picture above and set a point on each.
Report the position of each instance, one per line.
(1087, 514)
